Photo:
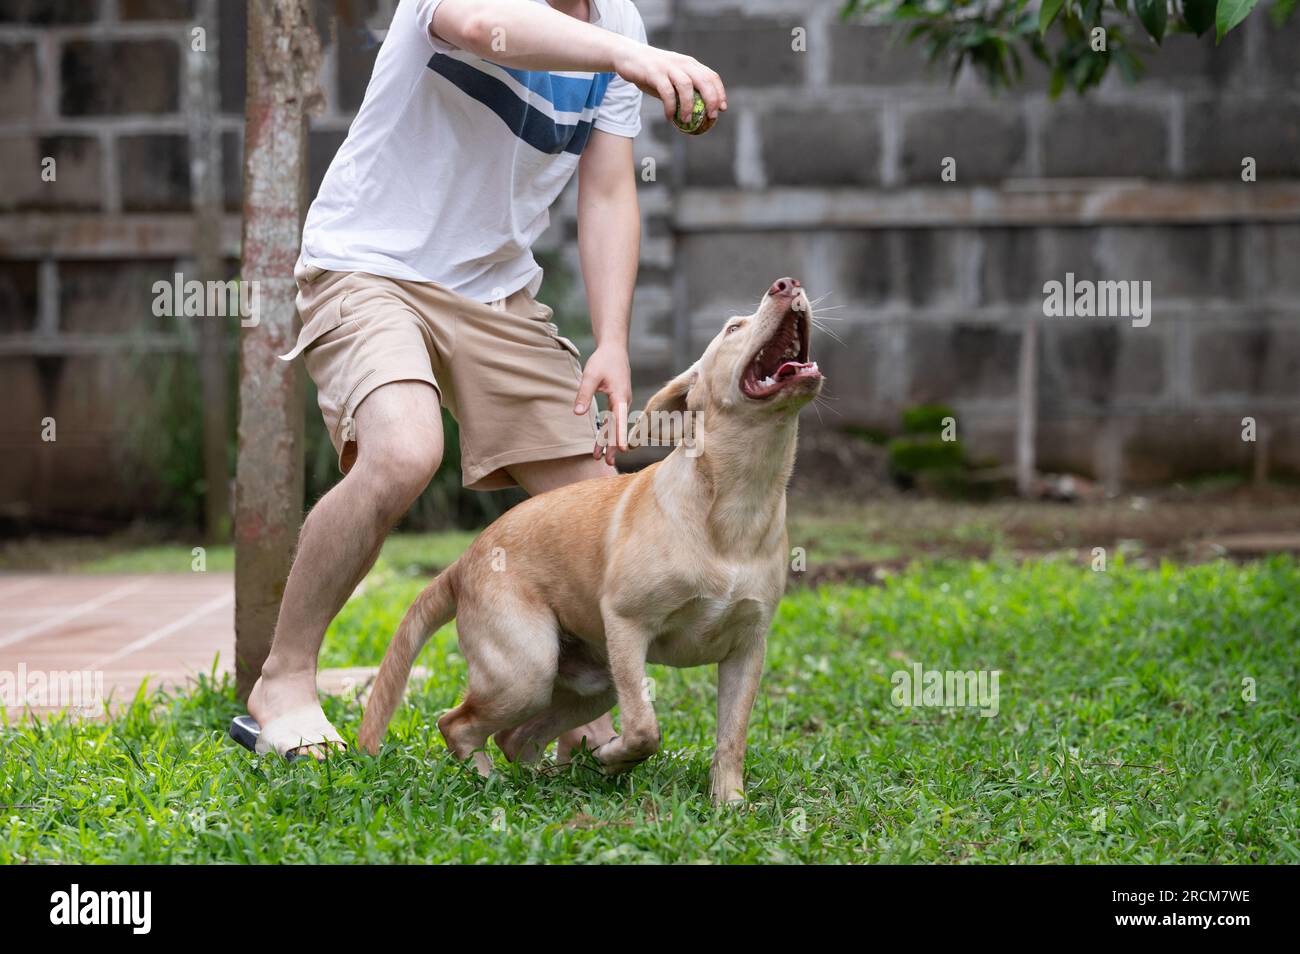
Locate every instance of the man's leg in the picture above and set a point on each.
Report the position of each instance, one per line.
(399, 447)
(537, 477)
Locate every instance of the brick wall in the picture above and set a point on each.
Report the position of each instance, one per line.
(826, 167)
(936, 280)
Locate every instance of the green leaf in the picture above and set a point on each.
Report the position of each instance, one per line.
(1199, 15)
(1229, 14)
(1047, 13)
(1057, 85)
(1154, 15)
(1130, 66)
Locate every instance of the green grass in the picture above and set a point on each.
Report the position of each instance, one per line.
(1121, 699)
(162, 558)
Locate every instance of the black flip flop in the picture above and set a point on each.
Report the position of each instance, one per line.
(245, 730)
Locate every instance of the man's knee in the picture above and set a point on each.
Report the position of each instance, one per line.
(399, 472)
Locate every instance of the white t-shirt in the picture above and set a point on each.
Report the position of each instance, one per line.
(452, 163)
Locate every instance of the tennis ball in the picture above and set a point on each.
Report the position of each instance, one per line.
(696, 125)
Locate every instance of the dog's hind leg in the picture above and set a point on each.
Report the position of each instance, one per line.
(568, 710)
(465, 735)
(583, 693)
(512, 657)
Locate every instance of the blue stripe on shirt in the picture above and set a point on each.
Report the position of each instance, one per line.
(532, 126)
(569, 94)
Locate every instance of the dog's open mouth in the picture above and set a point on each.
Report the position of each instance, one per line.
(782, 360)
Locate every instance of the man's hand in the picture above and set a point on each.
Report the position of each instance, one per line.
(674, 78)
(532, 36)
(608, 373)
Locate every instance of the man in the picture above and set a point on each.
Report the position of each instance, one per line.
(416, 285)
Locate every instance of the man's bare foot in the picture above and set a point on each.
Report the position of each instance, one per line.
(273, 698)
(596, 733)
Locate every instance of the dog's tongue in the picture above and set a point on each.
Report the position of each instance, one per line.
(789, 368)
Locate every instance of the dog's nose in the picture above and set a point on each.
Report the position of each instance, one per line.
(784, 286)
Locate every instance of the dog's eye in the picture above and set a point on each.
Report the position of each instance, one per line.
(736, 327)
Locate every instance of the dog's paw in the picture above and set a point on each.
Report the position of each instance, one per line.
(618, 756)
(726, 786)
(734, 797)
(611, 757)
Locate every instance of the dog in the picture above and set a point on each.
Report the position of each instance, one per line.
(563, 600)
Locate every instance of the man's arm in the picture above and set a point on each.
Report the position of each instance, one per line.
(609, 246)
(532, 36)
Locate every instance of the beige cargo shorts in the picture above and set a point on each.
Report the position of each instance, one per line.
(501, 369)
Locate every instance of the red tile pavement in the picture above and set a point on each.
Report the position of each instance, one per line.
(71, 641)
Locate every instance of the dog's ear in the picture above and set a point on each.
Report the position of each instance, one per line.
(672, 396)
(664, 420)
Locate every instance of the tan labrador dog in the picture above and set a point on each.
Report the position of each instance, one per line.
(562, 601)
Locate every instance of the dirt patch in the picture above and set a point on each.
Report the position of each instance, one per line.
(866, 542)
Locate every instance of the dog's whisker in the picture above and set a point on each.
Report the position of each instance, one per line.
(818, 405)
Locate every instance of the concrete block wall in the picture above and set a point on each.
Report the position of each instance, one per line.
(98, 87)
(934, 311)
(928, 308)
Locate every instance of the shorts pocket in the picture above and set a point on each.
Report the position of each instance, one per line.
(566, 344)
(326, 319)
(345, 431)
(542, 315)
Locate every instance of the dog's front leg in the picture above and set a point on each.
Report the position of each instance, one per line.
(738, 678)
(627, 643)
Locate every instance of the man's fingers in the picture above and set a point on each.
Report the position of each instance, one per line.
(711, 90)
(722, 90)
(668, 95)
(604, 438)
(585, 391)
(620, 423)
(685, 95)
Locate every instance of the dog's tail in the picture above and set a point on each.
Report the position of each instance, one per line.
(434, 607)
